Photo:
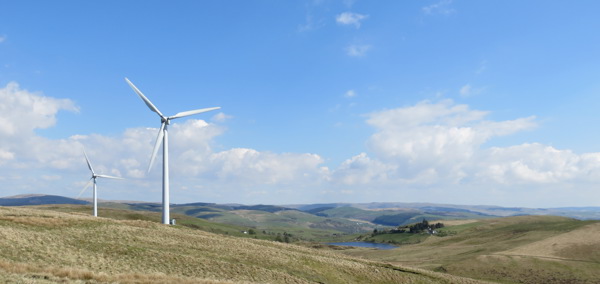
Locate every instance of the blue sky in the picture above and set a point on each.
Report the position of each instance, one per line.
(470, 102)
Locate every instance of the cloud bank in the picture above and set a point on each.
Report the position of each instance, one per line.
(430, 151)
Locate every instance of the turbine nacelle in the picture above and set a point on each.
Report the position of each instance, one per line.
(93, 180)
(164, 120)
(162, 138)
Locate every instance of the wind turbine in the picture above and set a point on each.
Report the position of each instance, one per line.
(93, 179)
(164, 139)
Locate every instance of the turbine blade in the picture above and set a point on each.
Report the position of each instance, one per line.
(146, 100)
(105, 176)
(88, 161)
(85, 187)
(192, 112)
(159, 138)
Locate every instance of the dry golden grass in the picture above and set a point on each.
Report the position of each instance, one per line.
(582, 244)
(40, 246)
(525, 249)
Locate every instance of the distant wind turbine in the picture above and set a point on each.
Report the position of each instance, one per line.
(93, 179)
(164, 139)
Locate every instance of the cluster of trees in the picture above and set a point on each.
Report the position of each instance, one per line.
(285, 238)
(424, 226)
(279, 237)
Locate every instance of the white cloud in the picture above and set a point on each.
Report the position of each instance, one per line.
(441, 7)
(349, 18)
(536, 163)
(2, 38)
(430, 151)
(221, 117)
(6, 155)
(23, 112)
(438, 148)
(425, 113)
(361, 169)
(443, 137)
(248, 166)
(192, 157)
(350, 94)
(357, 50)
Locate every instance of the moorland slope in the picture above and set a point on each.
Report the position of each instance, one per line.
(43, 246)
(523, 249)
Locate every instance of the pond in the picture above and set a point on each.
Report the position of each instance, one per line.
(364, 245)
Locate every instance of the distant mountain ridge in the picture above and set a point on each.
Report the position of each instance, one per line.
(38, 199)
(582, 213)
(322, 209)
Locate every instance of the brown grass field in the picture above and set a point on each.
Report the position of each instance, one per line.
(42, 246)
(524, 249)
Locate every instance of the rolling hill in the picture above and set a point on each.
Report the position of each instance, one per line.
(39, 245)
(263, 218)
(583, 213)
(522, 249)
(38, 199)
(397, 216)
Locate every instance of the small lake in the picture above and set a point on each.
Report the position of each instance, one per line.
(364, 245)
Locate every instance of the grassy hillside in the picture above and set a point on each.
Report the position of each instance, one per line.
(182, 220)
(42, 246)
(300, 224)
(396, 216)
(524, 249)
(270, 219)
(316, 224)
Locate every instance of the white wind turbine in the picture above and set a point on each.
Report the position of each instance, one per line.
(164, 139)
(93, 179)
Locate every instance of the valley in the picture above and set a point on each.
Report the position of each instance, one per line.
(288, 244)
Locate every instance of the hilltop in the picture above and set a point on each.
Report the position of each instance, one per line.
(392, 213)
(314, 222)
(38, 245)
(38, 199)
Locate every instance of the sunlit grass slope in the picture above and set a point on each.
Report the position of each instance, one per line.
(43, 246)
(182, 220)
(303, 225)
(275, 220)
(524, 249)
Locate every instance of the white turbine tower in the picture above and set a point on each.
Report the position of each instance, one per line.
(164, 139)
(93, 179)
